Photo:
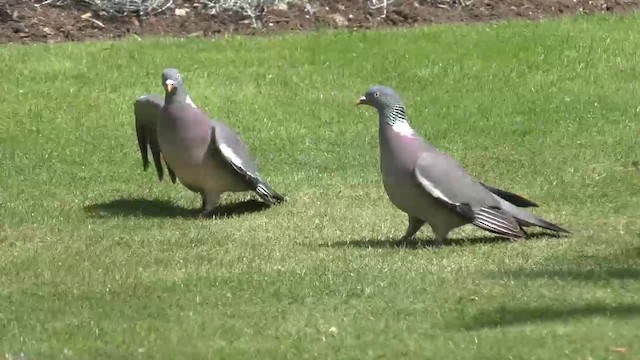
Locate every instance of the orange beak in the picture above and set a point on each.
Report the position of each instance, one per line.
(170, 85)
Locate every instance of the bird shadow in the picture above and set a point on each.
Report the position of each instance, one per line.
(417, 243)
(240, 208)
(622, 265)
(515, 315)
(579, 274)
(139, 207)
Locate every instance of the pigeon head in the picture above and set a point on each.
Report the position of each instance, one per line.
(171, 80)
(380, 97)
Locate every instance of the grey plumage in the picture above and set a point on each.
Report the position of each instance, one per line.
(431, 187)
(207, 156)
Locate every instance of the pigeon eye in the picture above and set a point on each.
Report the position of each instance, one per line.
(376, 94)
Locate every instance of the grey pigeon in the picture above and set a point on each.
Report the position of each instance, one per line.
(207, 156)
(431, 187)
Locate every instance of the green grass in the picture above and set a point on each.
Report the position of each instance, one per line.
(99, 260)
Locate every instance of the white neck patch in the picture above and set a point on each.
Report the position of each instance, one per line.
(190, 102)
(403, 128)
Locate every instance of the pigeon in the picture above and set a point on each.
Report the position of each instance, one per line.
(432, 187)
(205, 155)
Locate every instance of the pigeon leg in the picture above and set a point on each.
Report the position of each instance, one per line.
(414, 225)
(439, 237)
(201, 193)
(204, 202)
(210, 202)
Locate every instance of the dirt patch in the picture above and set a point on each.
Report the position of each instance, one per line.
(21, 21)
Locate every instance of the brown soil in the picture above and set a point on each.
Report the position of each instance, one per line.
(21, 21)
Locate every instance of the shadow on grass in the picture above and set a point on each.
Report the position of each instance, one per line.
(579, 273)
(138, 207)
(507, 316)
(427, 243)
(621, 265)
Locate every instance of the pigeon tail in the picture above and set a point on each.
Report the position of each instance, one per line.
(264, 190)
(526, 218)
(547, 225)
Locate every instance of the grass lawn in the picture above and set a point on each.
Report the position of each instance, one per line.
(99, 260)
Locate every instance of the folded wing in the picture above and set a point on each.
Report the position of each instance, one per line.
(147, 111)
(515, 199)
(447, 181)
(236, 153)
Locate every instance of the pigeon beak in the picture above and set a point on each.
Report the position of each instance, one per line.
(169, 84)
(361, 101)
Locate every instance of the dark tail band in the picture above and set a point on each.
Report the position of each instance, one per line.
(266, 193)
